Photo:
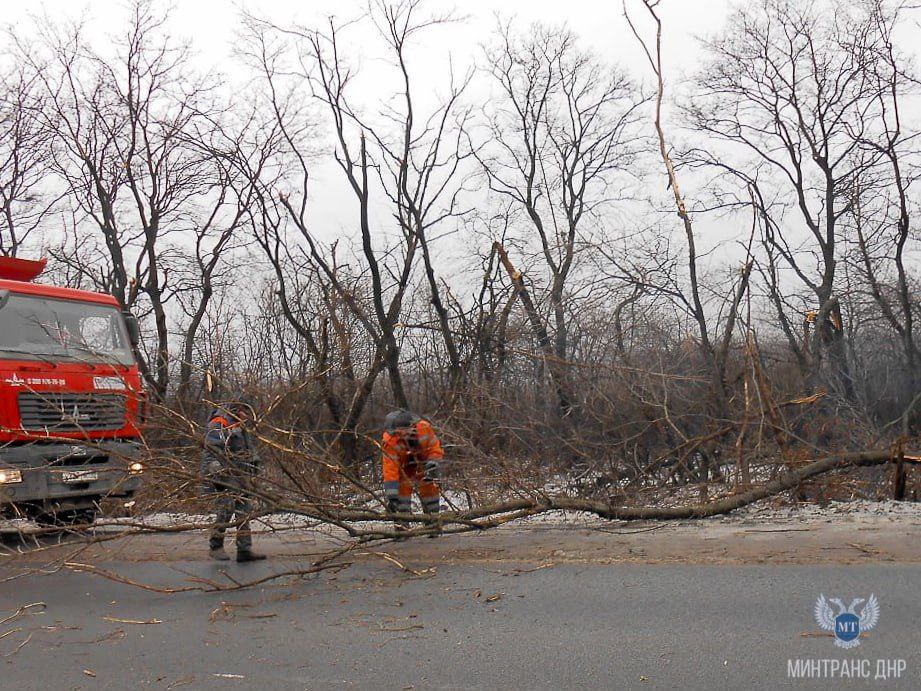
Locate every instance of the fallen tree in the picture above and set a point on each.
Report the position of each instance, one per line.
(485, 517)
(788, 480)
(492, 515)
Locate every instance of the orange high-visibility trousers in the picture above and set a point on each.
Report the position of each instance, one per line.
(399, 479)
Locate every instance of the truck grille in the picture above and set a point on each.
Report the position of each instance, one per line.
(71, 412)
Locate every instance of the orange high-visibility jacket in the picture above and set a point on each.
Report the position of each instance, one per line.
(396, 449)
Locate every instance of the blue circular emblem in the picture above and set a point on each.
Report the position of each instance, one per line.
(847, 627)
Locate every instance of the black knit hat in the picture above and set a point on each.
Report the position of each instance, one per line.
(240, 402)
(399, 419)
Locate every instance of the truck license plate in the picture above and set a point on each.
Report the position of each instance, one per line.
(79, 476)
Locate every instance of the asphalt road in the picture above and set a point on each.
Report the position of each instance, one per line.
(497, 626)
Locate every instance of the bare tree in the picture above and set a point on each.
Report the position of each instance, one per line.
(219, 228)
(563, 138)
(424, 162)
(881, 204)
(397, 157)
(118, 126)
(714, 348)
(313, 292)
(26, 197)
(787, 89)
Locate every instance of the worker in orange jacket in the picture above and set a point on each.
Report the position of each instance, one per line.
(411, 456)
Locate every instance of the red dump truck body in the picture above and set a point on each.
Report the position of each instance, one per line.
(71, 397)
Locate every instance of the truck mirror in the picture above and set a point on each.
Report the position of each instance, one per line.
(134, 329)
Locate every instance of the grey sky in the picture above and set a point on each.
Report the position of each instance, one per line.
(211, 25)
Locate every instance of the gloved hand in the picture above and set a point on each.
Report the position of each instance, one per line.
(431, 471)
(213, 476)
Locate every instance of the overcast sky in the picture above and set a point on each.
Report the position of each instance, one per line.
(212, 27)
(212, 23)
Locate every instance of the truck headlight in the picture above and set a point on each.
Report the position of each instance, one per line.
(136, 468)
(8, 477)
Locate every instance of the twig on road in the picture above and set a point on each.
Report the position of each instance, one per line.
(412, 627)
(19, 647)
(548, 565)
(22, 610)
(398, 564)
(11, 631)
(210, 586)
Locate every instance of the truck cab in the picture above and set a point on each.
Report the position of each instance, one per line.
(71, 398)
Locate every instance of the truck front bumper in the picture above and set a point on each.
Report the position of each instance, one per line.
(52, 472)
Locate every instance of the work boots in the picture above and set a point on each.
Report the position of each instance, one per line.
(218, 554)
(246, 555)
(395, 505)
(432, 507)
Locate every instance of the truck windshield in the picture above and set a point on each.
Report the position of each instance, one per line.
(35, 327)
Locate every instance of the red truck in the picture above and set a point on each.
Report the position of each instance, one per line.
(71, 398)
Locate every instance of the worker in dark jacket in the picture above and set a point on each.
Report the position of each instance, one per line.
(229, 462)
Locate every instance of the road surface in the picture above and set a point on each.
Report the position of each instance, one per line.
(470, 619)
